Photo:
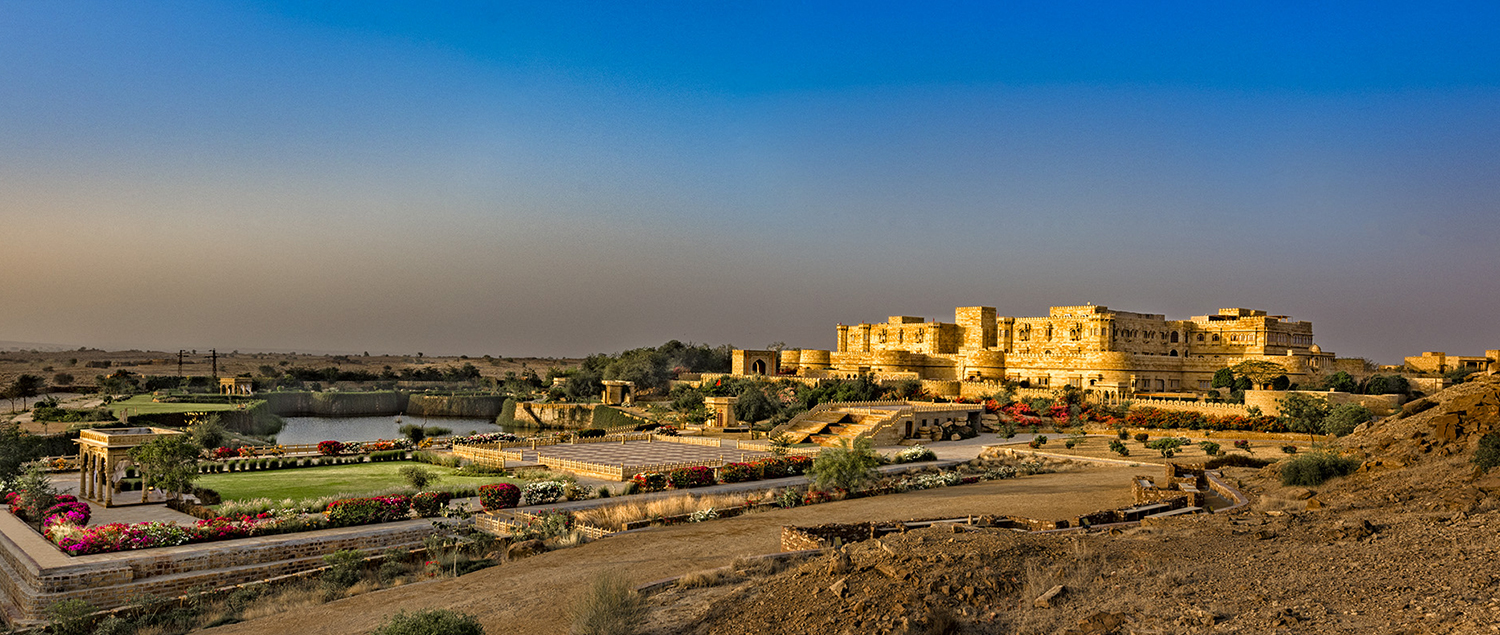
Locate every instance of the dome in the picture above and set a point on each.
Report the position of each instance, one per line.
(1315, 349)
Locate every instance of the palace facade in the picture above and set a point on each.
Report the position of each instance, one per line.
(1090, 347)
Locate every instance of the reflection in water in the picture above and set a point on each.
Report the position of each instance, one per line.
(305, 430)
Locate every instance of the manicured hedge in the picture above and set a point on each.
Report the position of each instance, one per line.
(688, 477)
(740, 472)
(650, 481)
(428, 504)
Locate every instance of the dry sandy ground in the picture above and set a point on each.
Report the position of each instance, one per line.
(531, 595)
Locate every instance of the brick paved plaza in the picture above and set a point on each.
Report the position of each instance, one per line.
(642, 453)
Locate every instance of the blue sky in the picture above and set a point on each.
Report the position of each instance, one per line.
(565, 178)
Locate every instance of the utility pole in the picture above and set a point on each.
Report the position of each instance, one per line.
(215, 354)
(180, 353)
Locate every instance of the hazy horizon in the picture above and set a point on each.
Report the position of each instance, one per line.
(568, 178)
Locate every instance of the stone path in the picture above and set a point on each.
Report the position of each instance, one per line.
(642, 453)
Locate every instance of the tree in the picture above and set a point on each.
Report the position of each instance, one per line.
(1345, 418)
(845, 467)
(1304, 413)
(1281, 383)
(1341, 382)
(207, 432)
(17, 448)
(23, 388)
(1223, 378)
(168, 463)
(754, 405)
(1259, 371)
(62, 379)
(37, 493)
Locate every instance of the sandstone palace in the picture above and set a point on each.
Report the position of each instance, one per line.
(1089, 347)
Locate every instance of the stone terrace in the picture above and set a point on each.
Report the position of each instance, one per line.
(640, 453)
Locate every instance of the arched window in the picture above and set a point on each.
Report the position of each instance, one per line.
(1216, 337)
(1174, 337)
(1173, 353)
(1200, 337)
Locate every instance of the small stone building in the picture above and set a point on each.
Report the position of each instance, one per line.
(103, 455)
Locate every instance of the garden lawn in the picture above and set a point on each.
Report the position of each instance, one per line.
(142, 404)
(329, 480)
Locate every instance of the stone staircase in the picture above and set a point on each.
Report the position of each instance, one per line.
(831, 424)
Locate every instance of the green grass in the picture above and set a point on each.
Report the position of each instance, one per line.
(142, 404)
(314, 482)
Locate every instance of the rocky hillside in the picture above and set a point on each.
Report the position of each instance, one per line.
(1406, 544)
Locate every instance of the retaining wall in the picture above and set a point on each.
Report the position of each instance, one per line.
(34, 574)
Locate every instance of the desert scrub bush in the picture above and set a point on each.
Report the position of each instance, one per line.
(344, 568)
(1487, 455)
(1119, 448)
(430, 622)
(845, 467)
(1142, 437)
(71, 617)
(1289, 449)
(1309, 470)
(709, 578)
(1242, 444)
(1038, 441)
(913, 454)
(1123, 434)
(1166, 445)
(609, 606)
(1209, 447)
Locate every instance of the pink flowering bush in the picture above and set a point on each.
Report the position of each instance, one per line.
(330, 448)
(73, 512)
(78, 541)
(499, 496)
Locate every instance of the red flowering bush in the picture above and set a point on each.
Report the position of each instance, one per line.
(428, 504)
(686, 477)
(1018, 409)
(330, 448)
(499, 496)
(224, 453)
(739, 472)
(650, 481)
(364, 511)
(798, 465)
(77, 541)
(247, 451)
(1172, 419)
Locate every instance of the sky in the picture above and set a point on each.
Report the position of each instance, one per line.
(558, 179)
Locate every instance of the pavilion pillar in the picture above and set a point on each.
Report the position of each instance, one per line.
(83, 473)
(107, 483)
(93, 472)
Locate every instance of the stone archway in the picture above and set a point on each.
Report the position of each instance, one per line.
(758, 367)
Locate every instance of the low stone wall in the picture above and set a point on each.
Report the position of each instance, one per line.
(34, 574)
(1269, 401)
(1201, 407)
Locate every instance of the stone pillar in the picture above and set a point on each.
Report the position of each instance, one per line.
(106, 481)
(83, 473)
(93, 474)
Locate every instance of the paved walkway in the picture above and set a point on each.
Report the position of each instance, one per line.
(130, 509)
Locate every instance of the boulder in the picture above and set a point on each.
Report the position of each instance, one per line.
(525, 548)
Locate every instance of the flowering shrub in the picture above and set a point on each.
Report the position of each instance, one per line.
(73, 512)
(428, 504)
(702, 515)
(113, 537)
(813, 496)
(915, 453)
(330, 448)
(1171, 419)
(487, 437)
(384, 445)
(650, 481)
(224, 453)
(541, 492)
(739, 472)
(686, 477)
(665, 430)
(365, 511)
(499, 496)
(247, 451)
(1242, 444)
